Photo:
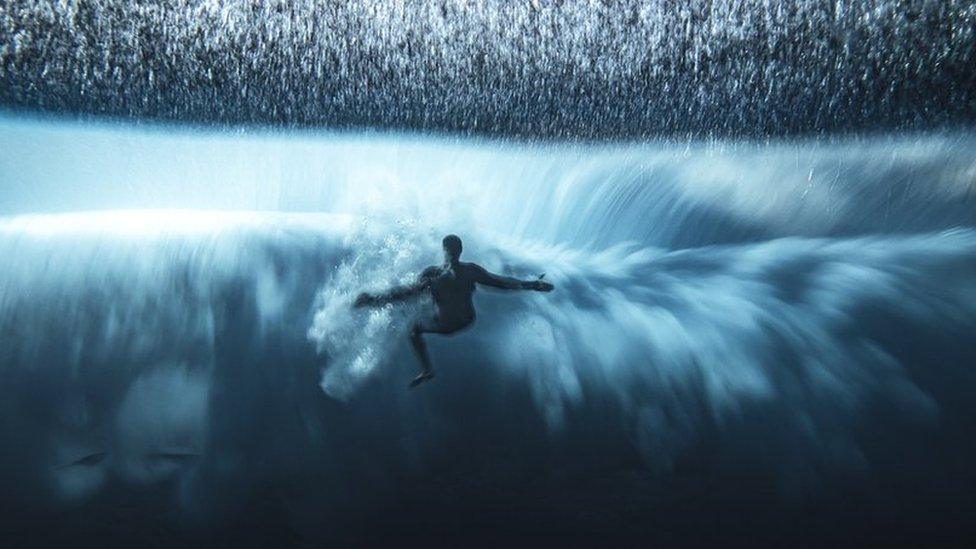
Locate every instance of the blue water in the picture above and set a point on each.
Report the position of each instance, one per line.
(742, 334)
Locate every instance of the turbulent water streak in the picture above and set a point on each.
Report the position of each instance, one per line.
(569, 69)
(660, 194)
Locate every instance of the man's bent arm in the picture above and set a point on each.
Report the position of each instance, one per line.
(400, 293)
(482, 276)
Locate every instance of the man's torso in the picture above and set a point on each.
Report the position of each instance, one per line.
(452, 289)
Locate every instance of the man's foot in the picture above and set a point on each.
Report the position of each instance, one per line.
(424, 376)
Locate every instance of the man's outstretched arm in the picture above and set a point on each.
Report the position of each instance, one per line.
(482, 276)
(400, 293)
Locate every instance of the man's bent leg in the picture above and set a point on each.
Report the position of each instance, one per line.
(420, 348)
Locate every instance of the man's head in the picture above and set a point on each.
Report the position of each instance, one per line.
(452, 247)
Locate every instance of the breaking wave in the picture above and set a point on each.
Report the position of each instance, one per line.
(731, 323)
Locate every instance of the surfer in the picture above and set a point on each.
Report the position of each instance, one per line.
(452, 286)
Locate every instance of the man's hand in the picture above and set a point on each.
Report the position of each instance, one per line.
(541, 286)
(364, 300)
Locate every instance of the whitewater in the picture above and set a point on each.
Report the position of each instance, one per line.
(735, 325)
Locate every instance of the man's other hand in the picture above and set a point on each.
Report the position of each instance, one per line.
(542, 286)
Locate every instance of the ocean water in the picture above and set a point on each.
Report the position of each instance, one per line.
(748, 340)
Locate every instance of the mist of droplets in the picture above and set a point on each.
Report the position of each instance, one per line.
(560, 69)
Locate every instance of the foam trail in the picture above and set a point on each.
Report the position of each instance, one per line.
(685, 340)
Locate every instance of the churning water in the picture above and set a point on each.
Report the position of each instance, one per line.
(754, 329)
